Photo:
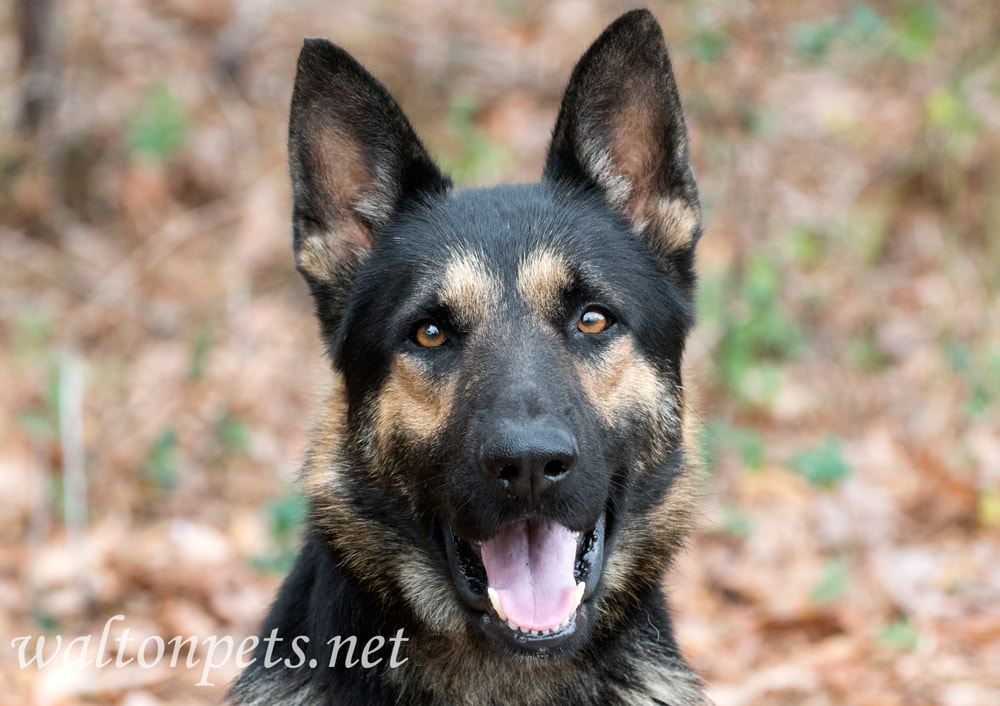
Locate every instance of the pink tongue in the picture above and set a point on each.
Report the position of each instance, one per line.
(530, 565)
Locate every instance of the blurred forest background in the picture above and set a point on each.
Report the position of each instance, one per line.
(159, 366)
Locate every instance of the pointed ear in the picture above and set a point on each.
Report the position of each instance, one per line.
(620, 129)
(354, 162)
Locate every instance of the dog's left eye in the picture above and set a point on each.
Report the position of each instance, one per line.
(429, 335)
(594, 320)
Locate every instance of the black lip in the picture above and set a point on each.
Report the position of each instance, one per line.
(469, 576)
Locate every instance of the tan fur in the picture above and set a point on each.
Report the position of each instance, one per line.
(622, 381)
(412, 402)
(365, 543)
(676, 221)
(542, 277)
(470, 291)
(340, 177)
(446, 665)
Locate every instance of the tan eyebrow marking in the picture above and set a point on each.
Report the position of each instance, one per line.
(470, 290)
(542, 277)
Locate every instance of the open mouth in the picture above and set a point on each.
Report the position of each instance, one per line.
(530, 581)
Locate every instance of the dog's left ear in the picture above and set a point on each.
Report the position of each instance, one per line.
(620, 129)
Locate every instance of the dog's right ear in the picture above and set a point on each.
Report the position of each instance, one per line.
(354, 162)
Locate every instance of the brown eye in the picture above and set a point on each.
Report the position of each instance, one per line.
(593, 320)
(429, 335)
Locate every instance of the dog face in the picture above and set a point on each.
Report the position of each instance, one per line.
(503, 453)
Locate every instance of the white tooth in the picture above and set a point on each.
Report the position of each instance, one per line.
(535, 633)
(513, 626)
(578, 596)
(495, 601)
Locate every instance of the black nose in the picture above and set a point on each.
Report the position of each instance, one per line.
(530, 458)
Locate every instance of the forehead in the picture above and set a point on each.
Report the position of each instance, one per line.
(502, 247)
(474, 287)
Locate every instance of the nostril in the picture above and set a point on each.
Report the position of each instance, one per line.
(508, 473)
(555, 469)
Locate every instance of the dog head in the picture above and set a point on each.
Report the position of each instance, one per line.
(507, 418)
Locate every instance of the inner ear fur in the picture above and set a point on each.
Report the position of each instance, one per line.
(354, 161)
(621, 129)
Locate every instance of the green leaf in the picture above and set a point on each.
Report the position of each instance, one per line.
(833, 584)
(160, 126)
(201, 346)
(823, 466)
(233, 435)
(917, 31)
(900, 634)
(710, 45)
(735, 520)
(814, 39)
(37, 423)
(480, 158)
(286, 515)
(161, 463)
(863, 24)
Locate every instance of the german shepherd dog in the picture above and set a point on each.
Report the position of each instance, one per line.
(500, 477)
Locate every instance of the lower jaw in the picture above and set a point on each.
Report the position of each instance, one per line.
(556, 644)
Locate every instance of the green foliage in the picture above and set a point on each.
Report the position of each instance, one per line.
(917, 29)
(161, 462)
(834, 583)
(233, 435)
(710, 45)
(864, 352)
(980, 371)
(823, 466)
(33, 333)
(201, 346)
(900, 634)
(734, 520)
(861, 26)
(718, 436)
(911, 35)
(807, 247)
(864, 25)
(757, 334)
(47, 622)
(286, 516)
(814, 39)
(160, 126)
(953, 123)
(480, 158)
(37, 423)
(42, 421)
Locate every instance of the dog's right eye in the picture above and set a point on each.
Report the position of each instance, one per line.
(429, 335)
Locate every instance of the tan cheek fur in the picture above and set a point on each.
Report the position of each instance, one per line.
(621, 381)
(364, 542)
(412, 402)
